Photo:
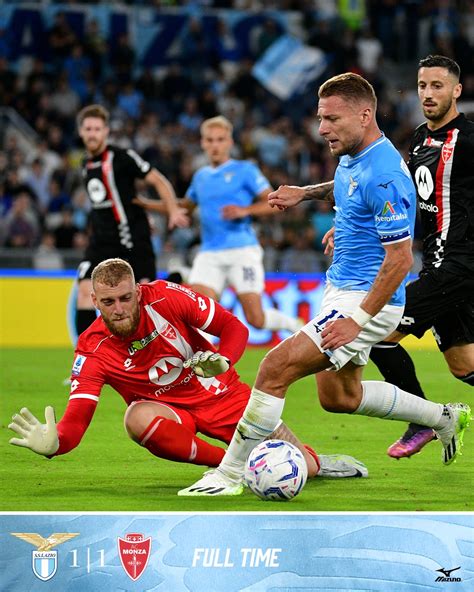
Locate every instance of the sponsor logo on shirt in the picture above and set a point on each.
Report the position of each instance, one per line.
(139, 344)
(78, 364)
(424, 182)
(389, 214)
(430, 142)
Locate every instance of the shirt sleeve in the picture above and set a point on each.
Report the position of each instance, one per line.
(191, 192)
(391, 199)
(137, 165)
(205, 314)
(255, 180)
(86, 384)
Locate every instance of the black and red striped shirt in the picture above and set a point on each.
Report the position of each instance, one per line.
(110, 183)
(442, 165)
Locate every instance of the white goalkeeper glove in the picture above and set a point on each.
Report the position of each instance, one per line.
(38, 437)
(207, 364)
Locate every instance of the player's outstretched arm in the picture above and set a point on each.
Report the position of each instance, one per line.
(178, 216)
(287, 196)
(207, 364)
(38, 437)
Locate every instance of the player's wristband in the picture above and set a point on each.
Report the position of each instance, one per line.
(361, 317)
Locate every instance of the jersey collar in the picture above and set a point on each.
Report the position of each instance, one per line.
(352, 159)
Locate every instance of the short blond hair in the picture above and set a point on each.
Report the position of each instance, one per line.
(92, 111)
(218, 121)
(349, 86)
(111, 272)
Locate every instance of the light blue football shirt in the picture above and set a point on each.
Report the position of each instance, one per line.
(375, 206)
(235, 182)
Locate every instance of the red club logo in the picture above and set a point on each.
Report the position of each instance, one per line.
(134, 551)
(447, 152)
(168, 332)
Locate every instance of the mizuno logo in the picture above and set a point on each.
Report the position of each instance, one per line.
(385, 185)
(448, 572)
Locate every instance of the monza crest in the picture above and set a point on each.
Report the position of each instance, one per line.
(134, 552)
(446, 152)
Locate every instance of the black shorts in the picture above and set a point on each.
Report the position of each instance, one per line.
(441, 301)
(141, 260)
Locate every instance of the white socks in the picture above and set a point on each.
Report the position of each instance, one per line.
(382, 399)
(260, 418)
(276, 320)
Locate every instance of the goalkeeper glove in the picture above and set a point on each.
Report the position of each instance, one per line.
(207, 364)
(38, 437)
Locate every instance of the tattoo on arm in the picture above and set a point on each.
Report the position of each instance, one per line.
(321, 191)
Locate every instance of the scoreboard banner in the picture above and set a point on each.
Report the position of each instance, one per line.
(245, 552)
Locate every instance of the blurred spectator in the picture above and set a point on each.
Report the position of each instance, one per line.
(77, 67)
(64, 100)
(46, 256)
(122, 59)
(65, 231)
(61, 39)
(268, 34)
(370, 52)
(195, 50)
(21, 228)
(272, 145)
(38, 182)
(300, 257)
(58, 199)
(95, 48)
(14, 185)
(80, 209)
(174, 88)
(130, 100)
(227, 50)
(322, 220)
(190, 118)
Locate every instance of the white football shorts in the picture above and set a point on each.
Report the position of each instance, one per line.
(241, 268)
(339, 303)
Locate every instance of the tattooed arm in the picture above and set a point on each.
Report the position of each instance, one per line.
(291, 195)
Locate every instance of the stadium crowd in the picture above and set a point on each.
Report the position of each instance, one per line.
(43, 205)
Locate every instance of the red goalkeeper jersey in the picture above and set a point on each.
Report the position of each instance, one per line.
(149, 364)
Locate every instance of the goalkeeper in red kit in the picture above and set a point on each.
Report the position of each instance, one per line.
(148, 345)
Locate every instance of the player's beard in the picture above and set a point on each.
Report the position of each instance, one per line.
(438, 112)
(126, 327)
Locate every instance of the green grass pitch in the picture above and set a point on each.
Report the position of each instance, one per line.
(108, 472)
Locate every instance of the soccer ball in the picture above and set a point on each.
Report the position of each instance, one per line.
(276, 470)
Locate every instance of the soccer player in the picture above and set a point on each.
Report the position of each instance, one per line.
(119, 226)
(225, 191)
(442, 298)
(364, 296)
(147, 345)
